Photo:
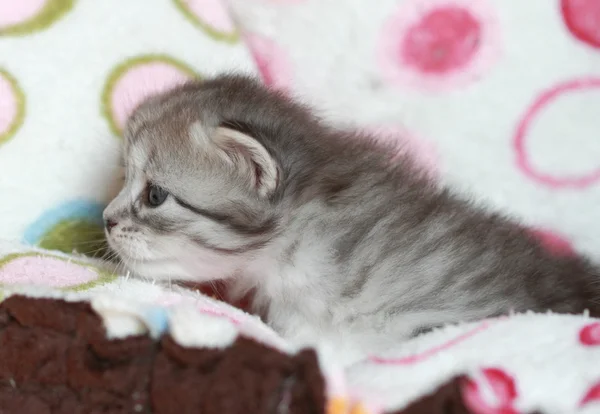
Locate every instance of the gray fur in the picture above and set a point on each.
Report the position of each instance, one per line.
(348, 249)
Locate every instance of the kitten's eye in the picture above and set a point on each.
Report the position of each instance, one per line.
(156, 195)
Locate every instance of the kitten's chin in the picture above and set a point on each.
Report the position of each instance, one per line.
(186, 269)
(180, 261)
(160, 270)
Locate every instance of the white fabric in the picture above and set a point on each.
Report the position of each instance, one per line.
(344, 56)
(551, 362)
(63, 160)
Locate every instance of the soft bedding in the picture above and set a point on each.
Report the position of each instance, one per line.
(71, 324)
(495, 96)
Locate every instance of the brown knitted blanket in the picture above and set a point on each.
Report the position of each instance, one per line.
(55, 358)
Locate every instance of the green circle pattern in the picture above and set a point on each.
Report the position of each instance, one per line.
(227, 37)
(121, 69)
(52, 11)
(20, 99)
(104, 276)
(79, 236)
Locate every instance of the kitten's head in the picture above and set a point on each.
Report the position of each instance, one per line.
(200, 193)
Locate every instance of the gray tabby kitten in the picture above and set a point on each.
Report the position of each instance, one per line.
(226, 179)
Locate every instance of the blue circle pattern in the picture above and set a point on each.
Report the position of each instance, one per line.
(75, 209)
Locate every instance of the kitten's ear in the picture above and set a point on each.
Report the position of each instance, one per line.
(247, 155)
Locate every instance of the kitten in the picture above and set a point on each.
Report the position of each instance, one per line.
(227, 179)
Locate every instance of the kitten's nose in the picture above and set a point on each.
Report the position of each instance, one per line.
(110, 224)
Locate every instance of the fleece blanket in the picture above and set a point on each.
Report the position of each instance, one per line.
(70, 73)
(70, 327)
(497, 97)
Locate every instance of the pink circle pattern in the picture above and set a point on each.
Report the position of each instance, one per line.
(553, 242)
(589, 335)
(13, 12)
(443, 41)
(45, 271)
(436, 45)
(544, 100)
(272, 62)
(213, 13)
(591, 396)
(582, 18)
(140, 82)
(500, 384)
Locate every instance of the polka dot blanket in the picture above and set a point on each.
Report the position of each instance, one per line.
(526, 363)
(496, 97)
(70, 73)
